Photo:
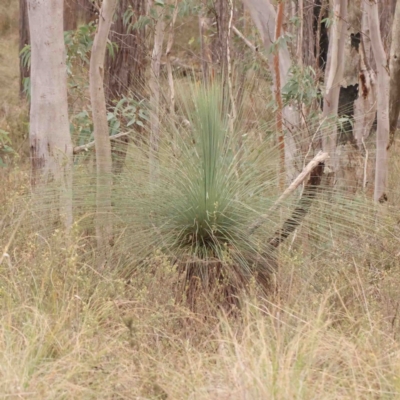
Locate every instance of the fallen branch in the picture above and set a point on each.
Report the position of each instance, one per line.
(250, 45)
(302, 208)
(86, 147)
(319, 159)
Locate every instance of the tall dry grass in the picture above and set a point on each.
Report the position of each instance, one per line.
(69, 332)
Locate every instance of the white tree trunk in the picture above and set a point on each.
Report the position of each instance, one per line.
(383, 82)
(101, 132)
(365, 105)
(333, 77)
(264, 16)
(50, 140)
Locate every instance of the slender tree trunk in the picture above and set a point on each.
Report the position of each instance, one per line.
(50, 140)
(154, 84)
(394, 103)
(220, 39)
(101, 133)
(168, 60)
(383, 81)
(23, 41)
(334, 75)
(206, 62)
(278, 95)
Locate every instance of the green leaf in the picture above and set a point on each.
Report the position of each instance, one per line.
(131, 122)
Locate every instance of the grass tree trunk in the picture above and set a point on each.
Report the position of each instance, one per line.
(383, 82)
(264, 17)
(154, 83)
(49, 135)
(101, 133)
(334, 76)
(394, 67)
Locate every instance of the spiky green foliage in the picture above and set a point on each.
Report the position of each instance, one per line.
(199, 208)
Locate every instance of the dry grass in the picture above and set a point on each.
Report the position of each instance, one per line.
(68, 332)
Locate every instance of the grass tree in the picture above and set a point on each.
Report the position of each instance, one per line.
(50, 140)
(200, 209)
(101, 133)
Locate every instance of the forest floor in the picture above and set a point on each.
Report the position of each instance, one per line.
(67, 331)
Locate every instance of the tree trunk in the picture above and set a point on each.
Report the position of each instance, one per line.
(394, 103)
(205, 52)
(220, 39)
(70, 15)
(334, 75)
(383, 81)
(50, 140)
(168, 51)
(23, 41)
(154, 84)
(72, 10)
(365, 105)
(101, 133)
(125, 69)
(278, 95)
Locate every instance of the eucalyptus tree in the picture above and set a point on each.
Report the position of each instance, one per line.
(101, 132)
(49, 135)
